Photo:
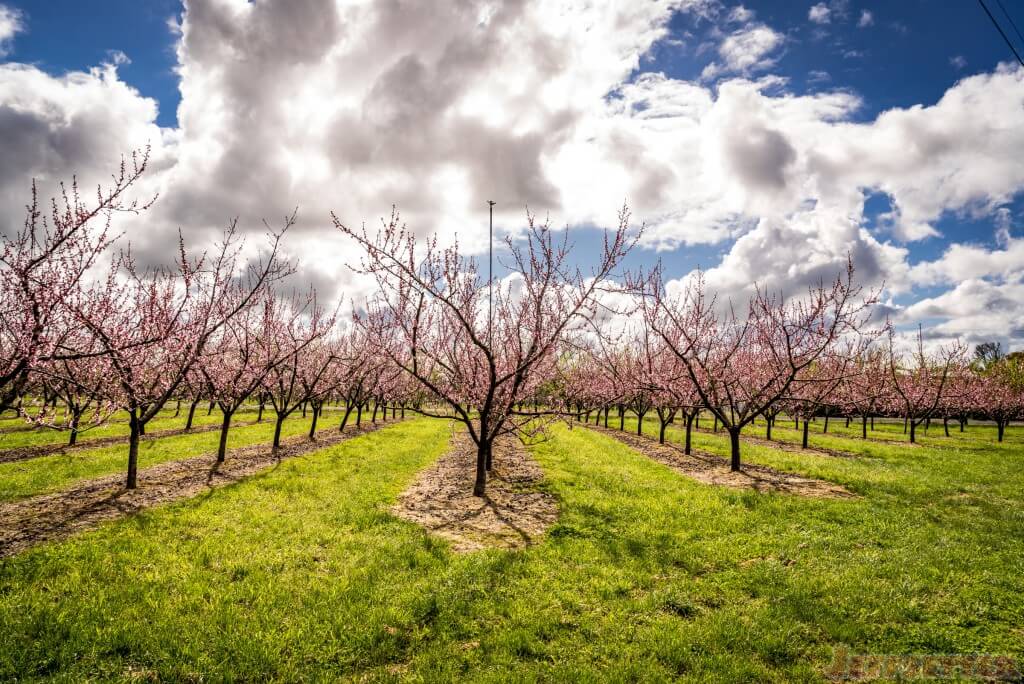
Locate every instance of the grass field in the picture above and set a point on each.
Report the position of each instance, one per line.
(301, 574)
(29, 477)
(16, 433)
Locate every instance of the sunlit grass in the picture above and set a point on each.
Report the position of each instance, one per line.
(300, 573)
(28, 477)
(17, 433)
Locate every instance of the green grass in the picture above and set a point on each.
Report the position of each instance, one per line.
(839, 436)
(20, 434)
(28, 477)
(301, 574)
(969, 463)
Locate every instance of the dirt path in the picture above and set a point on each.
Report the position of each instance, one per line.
(513, 514)
(713, 469)
(23, 453)
(88, 503)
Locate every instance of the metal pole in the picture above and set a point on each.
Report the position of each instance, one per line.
(490, 277)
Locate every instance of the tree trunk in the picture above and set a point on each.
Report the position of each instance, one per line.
(796, 422)
(847, 421)
(75, 417)
(483, 453)
(359, 415)
(640, 423)
(373, 418)
(259, 415)
(825, 430)
(945, 425)
(963, 421)
(133, 451)
(312, 426)
(225, 425)
(661, 432)
(734, 443)
(913, 428)
(768, 428)
(191, 415)
(1000, 429)
(864, 426)
(606, 411)
(177, 409)
(277, 431)
(689, 426)
(344, 418)
(622, 419)
(210, 410)
(803, 444)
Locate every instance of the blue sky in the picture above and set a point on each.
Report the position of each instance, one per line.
(902, 58)
(64, 35)
(909, 53)
(889, 54)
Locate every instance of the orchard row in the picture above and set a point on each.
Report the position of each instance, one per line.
(84, 333)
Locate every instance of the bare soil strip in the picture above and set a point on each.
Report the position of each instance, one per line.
(88, 503)
(23, 453)
(714, 470)
(513, 514)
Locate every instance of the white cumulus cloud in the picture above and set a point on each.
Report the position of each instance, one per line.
(353, 107)
(11, 23)
(746, 50)
(820, 13)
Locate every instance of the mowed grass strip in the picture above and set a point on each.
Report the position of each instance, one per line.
(44, 474)
(300, 574)
(117, 426)
(973, 462)
(885, 434)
